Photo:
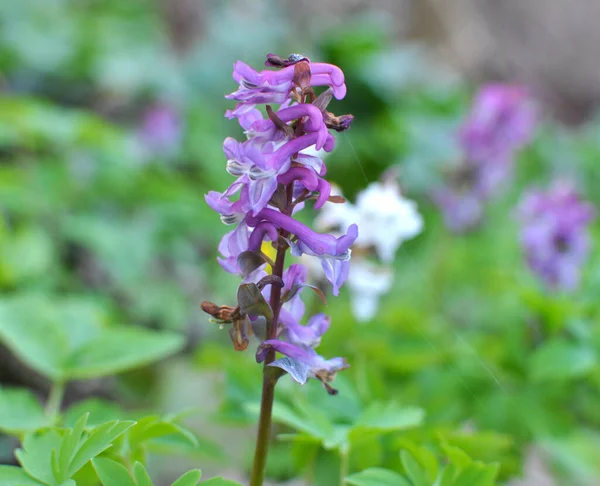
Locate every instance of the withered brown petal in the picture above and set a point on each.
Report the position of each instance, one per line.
(323, 100)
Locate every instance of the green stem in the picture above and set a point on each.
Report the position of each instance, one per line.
(344, 464)
(263, 437)
(54, 403)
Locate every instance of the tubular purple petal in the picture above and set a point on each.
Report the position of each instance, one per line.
(261, 230)
(306, 176)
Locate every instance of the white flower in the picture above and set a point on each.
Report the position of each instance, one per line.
(367, 283)
(386, 219)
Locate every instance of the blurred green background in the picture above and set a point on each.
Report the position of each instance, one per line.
(111, 125)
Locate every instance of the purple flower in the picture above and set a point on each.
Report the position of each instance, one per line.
(232, 244)
(275, 176)
(554, 234)
(317, 367)
(502, 120)
(161, 129)
(275, 86)
(258, 165)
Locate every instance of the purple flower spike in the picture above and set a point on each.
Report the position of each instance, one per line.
(555, 235)
(277, 172)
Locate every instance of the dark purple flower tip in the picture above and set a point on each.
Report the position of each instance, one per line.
(273, 60)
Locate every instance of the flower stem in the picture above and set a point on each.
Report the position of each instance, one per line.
(261, 451)
(344, 460)
(55, 399)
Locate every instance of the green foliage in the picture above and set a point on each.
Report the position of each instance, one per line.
(67, 340)
(20, 411)
(421, 468)
(54, 456)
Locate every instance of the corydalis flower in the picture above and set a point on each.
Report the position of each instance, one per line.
(277, 171)
(502, 121)
(554, 234)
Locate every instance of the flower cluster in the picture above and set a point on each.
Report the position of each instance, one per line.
(386, 220)
(501, 122)
(275, 174)
(554, 234)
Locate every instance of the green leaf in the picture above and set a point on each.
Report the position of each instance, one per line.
(380, 417)
(457, 456)
(142, 478)
(20, 411)
(100, 439)
(15, 476)
(27, 328)
(36, 454)
(286, 415)
(413, 470)
(219, 481)
(477, 474)
(68, 447)
(377, 476)
(153, 427)
(54, 457)
(100, 411)
(190, 478)
(118, 350)
(111, 473)
(560, 359)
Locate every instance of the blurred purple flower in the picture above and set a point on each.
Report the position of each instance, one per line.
(161, 129)
(502, 120)
(554, 234)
